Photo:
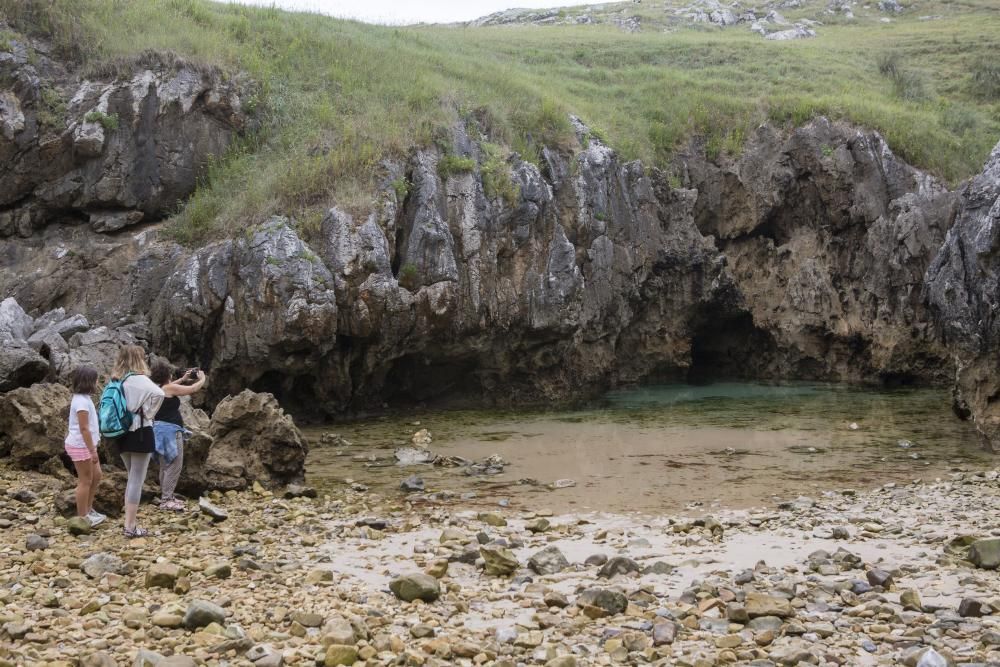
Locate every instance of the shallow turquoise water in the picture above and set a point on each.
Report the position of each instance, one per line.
(661, 448)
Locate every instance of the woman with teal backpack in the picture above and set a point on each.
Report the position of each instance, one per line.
(142, 399)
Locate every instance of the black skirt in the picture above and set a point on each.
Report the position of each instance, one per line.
(139, 441)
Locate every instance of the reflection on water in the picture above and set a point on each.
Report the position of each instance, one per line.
(664, 448)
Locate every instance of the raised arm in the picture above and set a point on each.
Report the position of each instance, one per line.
(178, 389)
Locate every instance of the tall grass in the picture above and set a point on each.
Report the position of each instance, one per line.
(336, 98)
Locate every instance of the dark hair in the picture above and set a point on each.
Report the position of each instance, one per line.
(161, 373)
(83, 380)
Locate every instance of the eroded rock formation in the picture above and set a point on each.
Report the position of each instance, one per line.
(963, 289)
(106, 150)
(805, 257)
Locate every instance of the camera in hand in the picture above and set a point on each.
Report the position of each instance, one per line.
(190, 376)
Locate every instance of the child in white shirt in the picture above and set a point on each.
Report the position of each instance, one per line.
(81, 442)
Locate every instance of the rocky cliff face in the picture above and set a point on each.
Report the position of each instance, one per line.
(827, 236)
(804, 258)
(963, 289)
(107, 151)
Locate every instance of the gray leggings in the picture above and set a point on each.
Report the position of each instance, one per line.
(136, 465)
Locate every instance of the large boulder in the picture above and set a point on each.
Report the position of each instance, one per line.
(33, 423)
(249, 438)
(20, 365)
(15, 324)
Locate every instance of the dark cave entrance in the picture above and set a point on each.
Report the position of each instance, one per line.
(416, 378)
(295, 393)
(728, 346)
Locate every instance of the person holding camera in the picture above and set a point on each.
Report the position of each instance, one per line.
(169, 431)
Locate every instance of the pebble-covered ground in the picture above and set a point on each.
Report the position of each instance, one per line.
(882, 577)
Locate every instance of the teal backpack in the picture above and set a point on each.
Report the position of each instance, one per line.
(112, 412)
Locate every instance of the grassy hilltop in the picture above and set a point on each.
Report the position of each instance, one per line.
(337, 97)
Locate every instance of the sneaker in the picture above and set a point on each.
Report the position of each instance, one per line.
(96, 518)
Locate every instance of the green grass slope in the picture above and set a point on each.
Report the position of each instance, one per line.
(337, 97)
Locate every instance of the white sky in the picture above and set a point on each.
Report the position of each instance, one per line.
(410, 11)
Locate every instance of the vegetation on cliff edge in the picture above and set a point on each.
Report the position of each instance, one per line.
(338, 97)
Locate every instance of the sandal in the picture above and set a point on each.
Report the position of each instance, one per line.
(135, 532)
(173, 505)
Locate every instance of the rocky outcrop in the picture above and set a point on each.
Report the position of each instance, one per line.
(50, 346)
(803, 258)
(248, 439)
(827, 235)
(110, 151)
(963, 289)
(33, 424)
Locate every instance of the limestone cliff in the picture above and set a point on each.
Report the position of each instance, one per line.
(805, 257)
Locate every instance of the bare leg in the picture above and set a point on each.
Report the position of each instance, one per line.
(95, 482)
(84, 482)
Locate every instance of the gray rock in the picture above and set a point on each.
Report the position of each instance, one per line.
(300, 491)
(412, 587)
(761, 623)
(985, 553)
(99, 564)
(610, 601)
(265, 655)
(798, 32)
(20, 365)
(412, 484)
(877, 577)
(969, 607)
(147, 658)
(249, 438)
(338, 630)
(214, 511)
(36, 543)
(112, 221)
(408, 456)
(201, 613)
(549, 560)
(619, 565)
(659, 567)
(760, 604)
(15, 324)
(499, 561)
(664, 633)
(79, 525)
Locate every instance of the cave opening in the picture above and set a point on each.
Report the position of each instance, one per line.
(729, 346)
(416, 378)
(295, 393)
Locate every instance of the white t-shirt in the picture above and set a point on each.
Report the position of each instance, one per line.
(82, 403)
